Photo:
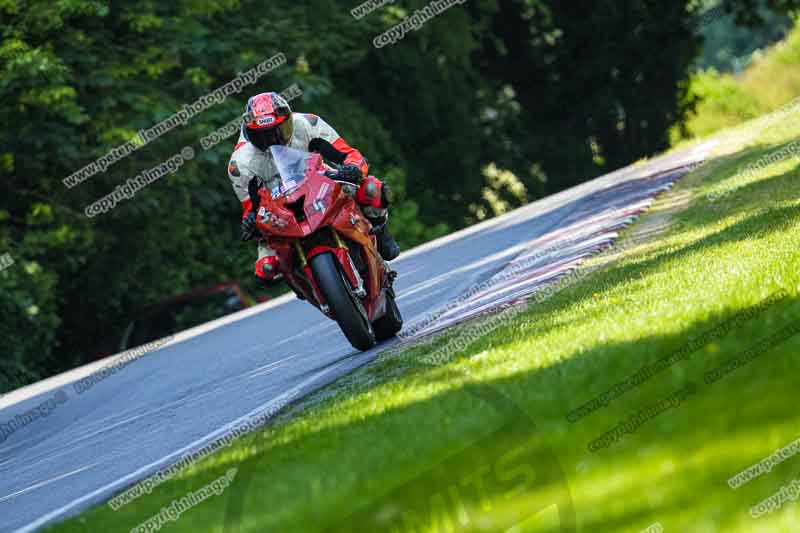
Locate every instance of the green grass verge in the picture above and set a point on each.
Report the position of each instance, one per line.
(727, 100)
(479, 441)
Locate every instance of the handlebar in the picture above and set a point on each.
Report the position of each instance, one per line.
(336, 176)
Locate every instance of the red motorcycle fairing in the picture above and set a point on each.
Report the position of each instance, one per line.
(311, 200)
(316, 203)
(356, 228)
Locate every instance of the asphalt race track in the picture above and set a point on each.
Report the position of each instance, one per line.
(203, 382)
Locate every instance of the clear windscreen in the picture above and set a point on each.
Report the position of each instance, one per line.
(292, 165)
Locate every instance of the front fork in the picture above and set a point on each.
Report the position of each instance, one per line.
(301, 254)
(353, 274)
(360, 291)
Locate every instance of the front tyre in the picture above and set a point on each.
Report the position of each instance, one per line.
(344, 304)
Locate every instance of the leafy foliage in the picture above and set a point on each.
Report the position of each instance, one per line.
(541, 88)
(726, 100)
(730, 47)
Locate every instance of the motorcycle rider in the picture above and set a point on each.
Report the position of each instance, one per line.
(268, 121)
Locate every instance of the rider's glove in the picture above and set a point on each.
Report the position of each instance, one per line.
(350, 172)
(249, 226)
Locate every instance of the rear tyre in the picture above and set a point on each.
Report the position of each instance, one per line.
(391, 323)
(346, 307)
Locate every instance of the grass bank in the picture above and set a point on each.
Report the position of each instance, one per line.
(487, 439)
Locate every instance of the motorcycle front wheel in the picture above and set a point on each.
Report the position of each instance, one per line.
(344, 304)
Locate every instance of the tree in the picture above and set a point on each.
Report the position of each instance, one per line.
(596, 89)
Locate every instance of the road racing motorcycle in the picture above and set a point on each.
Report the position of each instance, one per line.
(327, 248)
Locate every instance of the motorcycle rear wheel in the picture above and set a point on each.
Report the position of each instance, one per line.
(391, 323)
(344, 304)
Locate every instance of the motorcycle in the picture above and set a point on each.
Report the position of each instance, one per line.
(327, 248)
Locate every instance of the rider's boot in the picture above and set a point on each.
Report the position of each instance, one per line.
(387, 246)
(267, 270)
(374, 198)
